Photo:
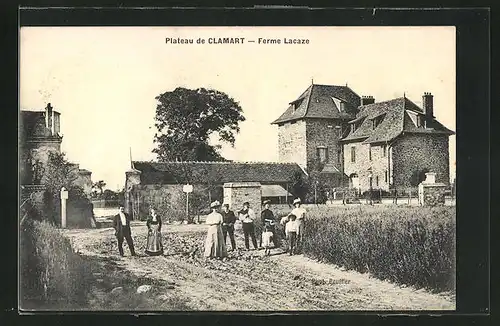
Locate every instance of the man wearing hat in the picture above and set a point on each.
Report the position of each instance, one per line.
(300, 213)
(268, 218)
(247, 217)
(229, 219)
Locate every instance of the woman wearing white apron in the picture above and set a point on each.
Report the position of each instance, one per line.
(154, 245)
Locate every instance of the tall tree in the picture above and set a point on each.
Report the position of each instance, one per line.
(185, 119)
(100, 186)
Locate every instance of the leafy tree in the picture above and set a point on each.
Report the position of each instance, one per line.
(185, 119)
(418, 176)
(56, 173)
(99, 185)
(299, 186)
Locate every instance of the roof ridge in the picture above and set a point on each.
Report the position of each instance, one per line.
(308, 100)
(221, 162)
(382, 102)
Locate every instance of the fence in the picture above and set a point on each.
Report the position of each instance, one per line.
(408, 195)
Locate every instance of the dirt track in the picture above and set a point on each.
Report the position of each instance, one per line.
(250, 281)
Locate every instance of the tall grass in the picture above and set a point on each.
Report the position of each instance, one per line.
(51, 273)
(407, 245)
(53, 277)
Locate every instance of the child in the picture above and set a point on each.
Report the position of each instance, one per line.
(267, 237)
(291, 229)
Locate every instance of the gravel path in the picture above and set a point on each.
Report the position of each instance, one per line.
(250, 281)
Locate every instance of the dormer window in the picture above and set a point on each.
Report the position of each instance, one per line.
(377, 121)
(295, 104)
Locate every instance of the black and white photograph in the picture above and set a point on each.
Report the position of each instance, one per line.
(250, 168)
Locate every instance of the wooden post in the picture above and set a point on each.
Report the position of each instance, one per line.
(64, 196)
(286, 195)
(187, 206)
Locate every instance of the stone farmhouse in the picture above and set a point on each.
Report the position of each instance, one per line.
(352, 141)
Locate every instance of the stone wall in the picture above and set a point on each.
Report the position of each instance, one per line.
(235, 194)
(321, 132)
(84, 180)
(416, 152)
(40, 150)
(410, 153)
(432, 194)
(292, 143)
(379, 165)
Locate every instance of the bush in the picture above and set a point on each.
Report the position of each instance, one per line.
(406, 245)
(51, 271)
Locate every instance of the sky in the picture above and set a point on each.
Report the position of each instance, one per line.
(104, 80)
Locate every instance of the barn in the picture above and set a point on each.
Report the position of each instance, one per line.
(159, 185)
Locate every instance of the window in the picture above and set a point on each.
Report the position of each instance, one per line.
(384, 151)
(339, 155)
(385, 176)
(353, 154)
(377, 121)
(370, 152)
(376, 180)
(322, 153)
(339, 131)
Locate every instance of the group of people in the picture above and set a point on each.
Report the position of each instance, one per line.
(154, 243)
(221, 224)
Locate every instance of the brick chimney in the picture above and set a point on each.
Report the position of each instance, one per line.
(365, 100)
(49, 118)
(428, 105)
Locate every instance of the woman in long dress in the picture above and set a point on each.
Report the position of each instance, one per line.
(154, 245)
(214, 244)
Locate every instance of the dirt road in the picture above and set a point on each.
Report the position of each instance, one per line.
(249, 281)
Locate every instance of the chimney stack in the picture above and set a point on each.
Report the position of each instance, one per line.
(49, 118)
(365, 100)
(428, 105)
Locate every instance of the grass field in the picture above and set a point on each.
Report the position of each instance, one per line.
(406, 245)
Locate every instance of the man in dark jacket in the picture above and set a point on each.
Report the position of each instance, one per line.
(228, 220)
(121, 224)
(268, 218)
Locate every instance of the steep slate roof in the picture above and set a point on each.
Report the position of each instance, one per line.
(395, 120)
(322, 101)
(216, 172)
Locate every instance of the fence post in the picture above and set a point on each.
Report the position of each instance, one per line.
(409, 197)
(64, 196)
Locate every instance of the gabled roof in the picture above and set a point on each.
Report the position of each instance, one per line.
(395, 115)
(322, 101)
(216, 172)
